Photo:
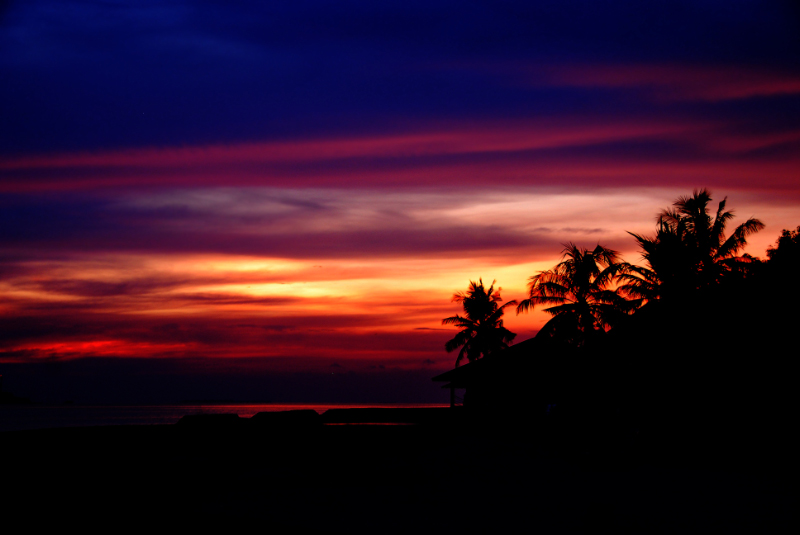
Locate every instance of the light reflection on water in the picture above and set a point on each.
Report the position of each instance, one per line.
(24, 417)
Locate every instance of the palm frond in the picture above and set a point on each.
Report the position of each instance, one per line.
(550, 289)
(669, 219)
(461, 354)
(738, 239)
(513, 302)
(458, 340)
(605, 256)
(717, 231)
(566, 308)
(524, 306)
(550, 299)
(608, 297)
(457, 320)
(606, 277)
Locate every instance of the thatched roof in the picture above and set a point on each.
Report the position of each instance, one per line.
(538, 365)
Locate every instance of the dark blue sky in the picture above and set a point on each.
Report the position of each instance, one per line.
(85, 75)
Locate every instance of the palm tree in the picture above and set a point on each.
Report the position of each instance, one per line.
(578, 292)
(689, 251)
(482, 332)
(670, 266)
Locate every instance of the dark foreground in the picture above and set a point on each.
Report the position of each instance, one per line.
(440, 477)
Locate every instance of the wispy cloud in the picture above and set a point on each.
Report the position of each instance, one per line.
(590, 151)
(711, 83)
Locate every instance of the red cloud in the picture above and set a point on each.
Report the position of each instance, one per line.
(666, 81)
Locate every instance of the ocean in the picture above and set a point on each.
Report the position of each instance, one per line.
(25, 417)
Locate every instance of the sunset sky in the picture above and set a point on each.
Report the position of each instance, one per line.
(240, 201)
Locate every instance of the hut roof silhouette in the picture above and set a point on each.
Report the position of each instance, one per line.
(533, 368)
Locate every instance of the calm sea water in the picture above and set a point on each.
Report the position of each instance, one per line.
(22, 417)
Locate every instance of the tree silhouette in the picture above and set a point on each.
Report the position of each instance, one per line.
(689, 251)
(787, 248)
(670, 268)
(482, 331)
(579, 293)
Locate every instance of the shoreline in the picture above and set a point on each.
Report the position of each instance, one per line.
(29, 417)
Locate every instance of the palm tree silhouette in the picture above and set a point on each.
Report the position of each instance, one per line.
(670, 268)
(482, 331)
(689, 251)
(579, 293)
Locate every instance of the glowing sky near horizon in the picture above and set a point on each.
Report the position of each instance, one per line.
(309, 185)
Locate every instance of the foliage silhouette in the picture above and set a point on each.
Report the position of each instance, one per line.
(482, 331)
(579, 292)
(787, 248)
(689, 251)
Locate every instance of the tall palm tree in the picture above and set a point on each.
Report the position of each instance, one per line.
(579, 294)
(482, 331)
(690, 250)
